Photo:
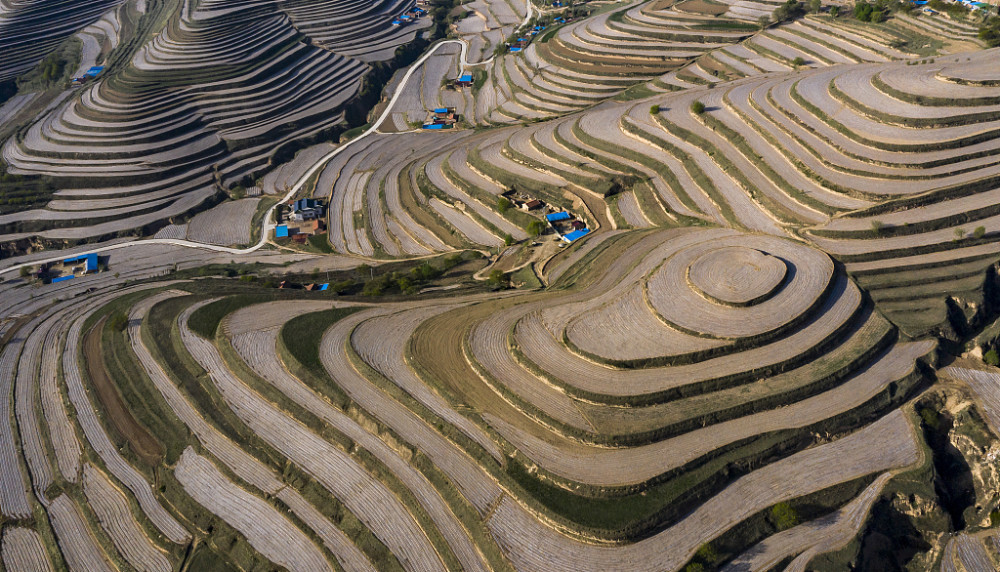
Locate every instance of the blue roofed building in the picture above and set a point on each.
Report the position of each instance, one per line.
(576, 235)
(89, 261)
(281, 231)
(558, 217)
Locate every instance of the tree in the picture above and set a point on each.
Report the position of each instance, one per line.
(835, 11)
(959, 233)
(498, 280)
(990, 32)
(654, 110)
(25, 271)
(815, 6)
(991, 358)
(764, 22)
(798, 61)
(698, 108)
(878, 227)
(118, 321)
(503, 205)
(783, 516)
(536, 228)
(979, 232)
(507, 239)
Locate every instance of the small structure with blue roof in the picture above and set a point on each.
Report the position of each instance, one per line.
(575, 235)
(281, 231)
(90, 262)
(557, 217)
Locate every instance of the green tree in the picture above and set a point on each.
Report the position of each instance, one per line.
(992, 358)
(959, 233)
(979, 232)
(507, 239)
(815, 6)
(24, 272)
(654, 110)
(536, 228)
(498, 280)
(764, 22)
(119, 321)
(783, 516)
(698, 108)
(878, 227)
(503, 205)
(798, 61)
(835, 11)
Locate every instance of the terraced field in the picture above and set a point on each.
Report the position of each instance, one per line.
(181, 113)
(791, 228)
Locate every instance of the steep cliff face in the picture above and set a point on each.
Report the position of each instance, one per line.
(956, 489)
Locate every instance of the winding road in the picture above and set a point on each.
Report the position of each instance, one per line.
(266, 225)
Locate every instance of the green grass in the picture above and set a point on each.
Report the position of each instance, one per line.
(205, 320)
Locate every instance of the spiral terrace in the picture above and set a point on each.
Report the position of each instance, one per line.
(770, 350)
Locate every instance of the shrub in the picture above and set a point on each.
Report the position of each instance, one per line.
(990, 32)
(992, 358)
(783, 516)
(835, 11)
(878, 227)
(118, 321)
(979, 232)
(698, 108)
(959, 233)
(654, 110)
(798, 61)
(498, 280)
(24, 272)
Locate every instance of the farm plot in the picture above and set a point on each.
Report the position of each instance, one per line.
(226, 225)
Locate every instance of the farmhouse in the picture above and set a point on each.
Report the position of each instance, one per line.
(441, 118)
(307, 209)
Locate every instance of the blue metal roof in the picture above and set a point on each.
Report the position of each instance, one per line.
(89, 260)
(440, 110)
(576, 234)
(281, 231)
(434, 126)
(465, 77)
(63, 278)
(513, 50)
(556, 217)
(324, 287)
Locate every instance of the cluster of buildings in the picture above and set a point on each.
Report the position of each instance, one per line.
(69, 268)
(304, 219)
(441, 118)
(410, 16)
(565, 224)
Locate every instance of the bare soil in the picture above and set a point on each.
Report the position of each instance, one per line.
(139, 439)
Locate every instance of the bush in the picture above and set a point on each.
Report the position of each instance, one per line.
(783, 516)
(878, 227)
(24, 272)
(835, 11)
(798, 61)
(992, 358)
(698, 108)
(118, 321)
(654, 110)
(979, 232)
(498, 280)
(990, 32)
